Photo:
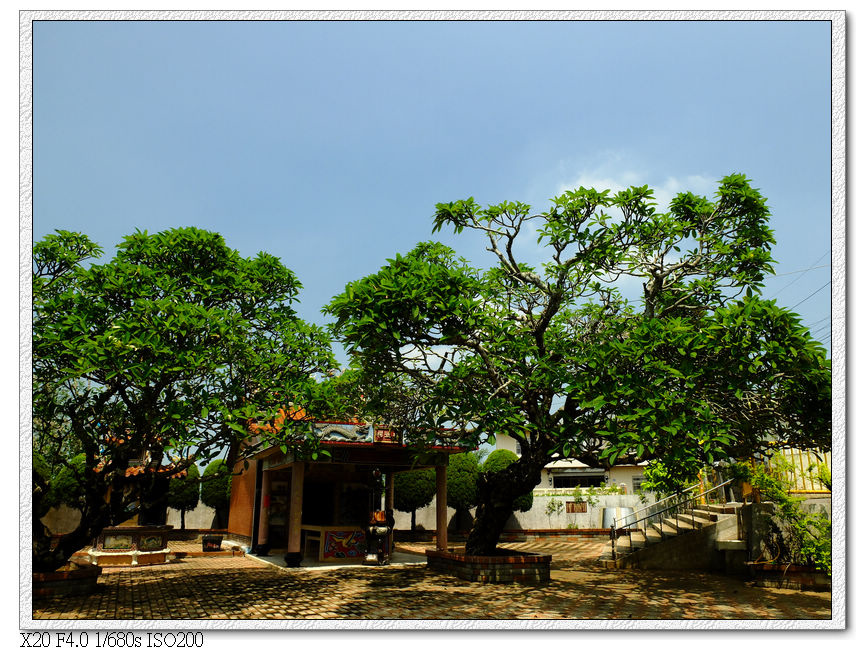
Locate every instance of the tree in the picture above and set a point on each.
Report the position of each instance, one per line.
(177, 342)
(560, 358)
(413, 490)
(183, 492)
(462, 485)
(216, 489)
(499, 460)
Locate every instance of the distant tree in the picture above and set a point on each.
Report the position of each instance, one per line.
(183, 492)
(462, 485)
(499, 460)
(413, 490)
(216, 489)
(176, 342)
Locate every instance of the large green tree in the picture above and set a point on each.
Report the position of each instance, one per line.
(559, 356)
(176, 343)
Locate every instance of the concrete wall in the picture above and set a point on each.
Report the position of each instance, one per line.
(202, 517)
(536, 518)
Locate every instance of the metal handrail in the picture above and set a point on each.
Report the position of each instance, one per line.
(672, 496)
(629, 526)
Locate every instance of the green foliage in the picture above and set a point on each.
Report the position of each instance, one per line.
(413, 490)
(462, 481)
(811, 533)
(183, 492)
(499, 460)
(823, 474)
(700, 369)
(590, 496)
(554, 507)
(177, 342)
(670, 475)
(216, 485)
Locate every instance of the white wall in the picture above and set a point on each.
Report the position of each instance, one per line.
(536, 518)
(201, 517)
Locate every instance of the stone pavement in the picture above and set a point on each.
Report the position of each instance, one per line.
(246, 588)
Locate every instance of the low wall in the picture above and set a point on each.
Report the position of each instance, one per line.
(537, 518)
(528, 568)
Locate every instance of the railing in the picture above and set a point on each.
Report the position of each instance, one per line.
(676, 504)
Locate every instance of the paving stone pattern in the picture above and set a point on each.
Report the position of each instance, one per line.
(245, 588)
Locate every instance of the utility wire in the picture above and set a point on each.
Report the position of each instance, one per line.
(812, 268)
(813, 294)
(802, 272)
(817, 322)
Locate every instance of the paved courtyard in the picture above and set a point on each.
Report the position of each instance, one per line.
(247, 588)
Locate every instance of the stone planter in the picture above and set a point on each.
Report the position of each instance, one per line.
(790, 576)
(77, 577)
(131, 546)
(504, 567)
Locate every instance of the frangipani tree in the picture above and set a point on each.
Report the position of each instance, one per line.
(177, 343)
(700, 367)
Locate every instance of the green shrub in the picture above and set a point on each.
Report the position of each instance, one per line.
(810, 533)
(499, 460)
(183, 492)
(216, 488)
(462, 483)
(413, 490)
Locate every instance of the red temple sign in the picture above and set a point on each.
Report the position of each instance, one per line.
(388, 436)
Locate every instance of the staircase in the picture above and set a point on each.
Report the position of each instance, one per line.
(681, 532)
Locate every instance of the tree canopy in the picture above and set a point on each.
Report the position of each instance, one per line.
(178, 343)
(558, 354)
(413, 490)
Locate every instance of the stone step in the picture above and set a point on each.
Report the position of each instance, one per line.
(718, 508)
(696, 519)
(664, 529)
(731, 545)
(679, 524)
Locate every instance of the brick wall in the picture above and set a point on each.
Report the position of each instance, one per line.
(242, 500)
(514, 567)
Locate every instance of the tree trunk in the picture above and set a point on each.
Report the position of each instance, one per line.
(413, 520)
(182, 519)
(496, 494)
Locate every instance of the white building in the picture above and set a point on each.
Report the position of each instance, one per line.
(569, 473)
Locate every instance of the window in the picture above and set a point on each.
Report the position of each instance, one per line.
(577, 480)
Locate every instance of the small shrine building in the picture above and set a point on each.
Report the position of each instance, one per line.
(321, 507)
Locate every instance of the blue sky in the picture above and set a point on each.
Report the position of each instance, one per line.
(329, 143)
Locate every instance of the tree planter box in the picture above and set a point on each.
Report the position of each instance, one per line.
(131, 546)
(504, 567)
(790, 576)
(78, 577)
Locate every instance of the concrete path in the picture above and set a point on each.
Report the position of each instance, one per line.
(248, 588)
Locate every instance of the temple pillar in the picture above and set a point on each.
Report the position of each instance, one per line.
(264, 509)
(293, 554)
(442, 507)
(388, 503)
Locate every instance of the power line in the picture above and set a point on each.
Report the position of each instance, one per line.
(821, 329)
(812, 268)
(817, 322)
(813, 294)
(801, 273)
